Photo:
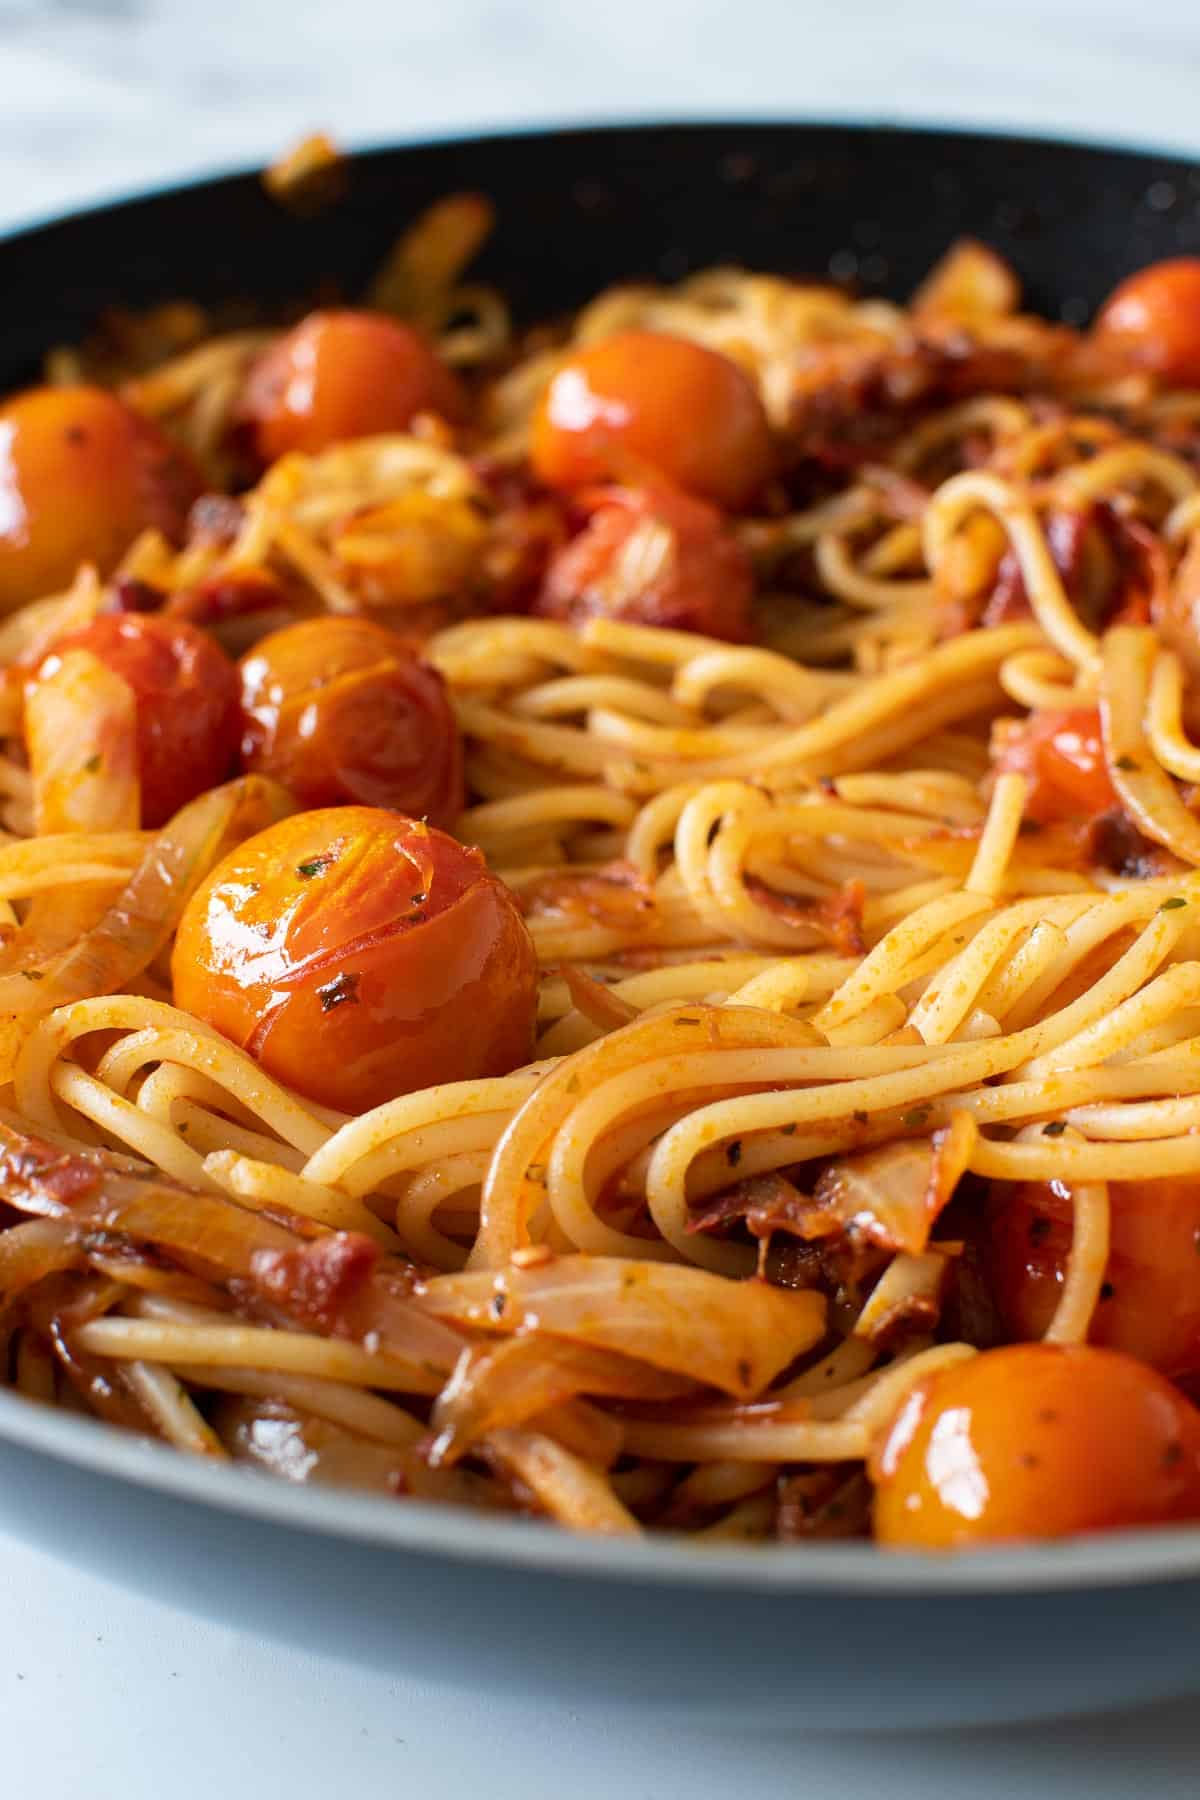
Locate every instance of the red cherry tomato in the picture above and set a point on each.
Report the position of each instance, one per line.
(1154, 318)
(340, 710)
(644, 403)
(358, 955)
(653, 557)
(81, 474)
(1062, 756)
(1036, 1441)
(1150, 1303)
(186, 688)
(342, 375)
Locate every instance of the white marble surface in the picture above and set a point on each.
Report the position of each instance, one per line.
(101, 1693)
(100, 95)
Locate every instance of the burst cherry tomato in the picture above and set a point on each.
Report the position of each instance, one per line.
(653, 557)
(186, 688)
(1036, 1441)
(645, 403)
(359, 955)
(1062, 756)
(1150, 1303)
(342, 375)
(81, 474)
(1154, 317)
(341, 710)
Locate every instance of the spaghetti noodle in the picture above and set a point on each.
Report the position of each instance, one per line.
(819, 692)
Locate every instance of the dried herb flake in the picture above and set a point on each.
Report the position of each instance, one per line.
(341, 991)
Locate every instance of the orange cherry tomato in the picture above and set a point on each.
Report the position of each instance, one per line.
(1150, 1302)
(186, 688)
(1035, 1441)
(342, 375)
(642, 403)
(340, 710)
(357, 955)
(653, 557)
(1154, 318)
(1062, 756)
(81, 474)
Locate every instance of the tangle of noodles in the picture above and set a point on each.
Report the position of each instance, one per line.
(824, 972)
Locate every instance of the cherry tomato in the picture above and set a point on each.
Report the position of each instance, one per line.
(653, 557)
(1036, 1441)
(1062, 756)
(188, 716)
(1154, 317)
(81, 474)
(1150, 1303)
(646, 403)
(341, 710)
(359, 955)
(342, 375)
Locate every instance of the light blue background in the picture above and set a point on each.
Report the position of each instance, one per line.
(102, 1694)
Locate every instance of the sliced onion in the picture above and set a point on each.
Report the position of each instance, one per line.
(81, 733)
(596, 1002)
(970, 285)
(140, 921)
(31, 1251)
(732, 1335)
(893, 1196)
(218, 1239)
(495, 1385)
(573, 1492)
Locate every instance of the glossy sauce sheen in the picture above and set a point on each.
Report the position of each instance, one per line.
(1035, 1441)
(653, 556)
(1150, 1302)
(186, 693)
(342, 711)
(343, 375)
(81, 474)
(359, 955)
(643, 402)
(1155, 317)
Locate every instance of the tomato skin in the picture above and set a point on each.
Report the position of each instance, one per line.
(693, 576)
(1035, 1441)
(1061, 754)
(342, 711)
(357, 955)
(1154, 318)
(342, 375)
(81, 474)
(187, 697)
(1150, 1305)
(645, 403)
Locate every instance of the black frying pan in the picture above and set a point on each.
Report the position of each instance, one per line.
(833, 1635)
(579, 209)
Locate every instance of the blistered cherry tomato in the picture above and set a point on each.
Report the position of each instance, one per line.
(1154, 318)
(342, 375)
(1035, 1441)
(1062, 756)
(358, 955)
(81, 474)
(187, 693)
(1150, 1302)
(653, 557)
(340, 710)
(644, 403)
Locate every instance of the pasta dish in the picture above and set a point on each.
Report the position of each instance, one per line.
(602, 920)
